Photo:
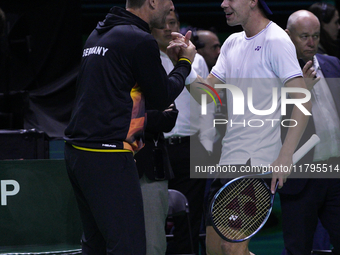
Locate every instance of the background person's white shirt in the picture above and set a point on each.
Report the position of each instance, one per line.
(326, 120)
(190, 120)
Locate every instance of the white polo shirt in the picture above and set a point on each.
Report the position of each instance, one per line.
(263, 62)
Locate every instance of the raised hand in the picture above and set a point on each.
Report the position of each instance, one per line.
(181, 47)
(309, 75)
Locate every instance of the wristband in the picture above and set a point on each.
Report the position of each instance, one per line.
(191, 77)
(185, 59)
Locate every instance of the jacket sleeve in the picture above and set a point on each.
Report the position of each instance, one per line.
(161, 121)
(159, 89)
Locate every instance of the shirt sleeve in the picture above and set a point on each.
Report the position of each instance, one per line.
(283, 59)
(159, 89)
(219, 69)
(161, 121)
(200, 66)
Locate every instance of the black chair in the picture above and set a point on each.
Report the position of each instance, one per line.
(178, 205)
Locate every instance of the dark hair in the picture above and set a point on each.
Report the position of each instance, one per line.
(134, 3)
(325, 12)
(177, 15)
(2, 22)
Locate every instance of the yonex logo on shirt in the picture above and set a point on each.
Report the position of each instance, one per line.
(258, 48)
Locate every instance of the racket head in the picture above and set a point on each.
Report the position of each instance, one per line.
(241, 208)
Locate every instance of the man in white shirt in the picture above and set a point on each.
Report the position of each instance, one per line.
(262, 52)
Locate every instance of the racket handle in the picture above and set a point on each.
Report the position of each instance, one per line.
(306, 147)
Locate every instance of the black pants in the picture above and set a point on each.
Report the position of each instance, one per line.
(320, 198)
(107, 189)
(193, 189)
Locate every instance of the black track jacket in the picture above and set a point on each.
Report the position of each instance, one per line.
(120, 69)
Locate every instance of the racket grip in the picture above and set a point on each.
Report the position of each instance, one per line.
(306, 147)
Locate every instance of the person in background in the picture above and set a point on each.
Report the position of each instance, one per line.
(154, 170)
(328, 17)
(303, 201)
(120, 72)
(153, 161)
(208, 45)
(190, 131)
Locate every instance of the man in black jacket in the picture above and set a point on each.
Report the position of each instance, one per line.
(120, 70)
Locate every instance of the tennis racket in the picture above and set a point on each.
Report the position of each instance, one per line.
(243, 205)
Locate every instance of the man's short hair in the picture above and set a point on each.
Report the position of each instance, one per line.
(134, 3)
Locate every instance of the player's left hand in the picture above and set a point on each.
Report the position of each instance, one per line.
(281, 169)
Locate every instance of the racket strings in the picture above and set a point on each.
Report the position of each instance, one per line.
(246, 220)
(243, 214)
(242, 202)
(226, 196)
(229, 213)
(253, 223)
(242, 231)
(231, 192)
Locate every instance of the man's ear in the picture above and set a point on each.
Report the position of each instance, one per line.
(253, 3)
(287, 31)
(152, 3)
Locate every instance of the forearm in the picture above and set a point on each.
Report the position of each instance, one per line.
(161, 121)
(199, 86)
(293, 136)
(159, 89)
(299, 118)
(295, 132)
